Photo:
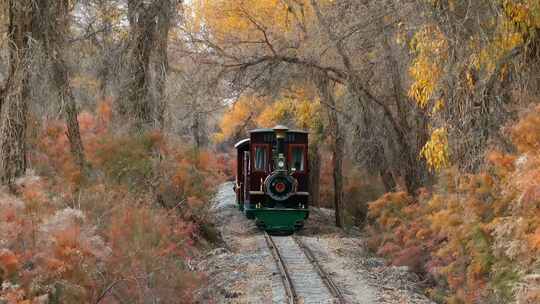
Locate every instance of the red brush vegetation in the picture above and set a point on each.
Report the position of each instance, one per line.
(476, 237)
(124, 234)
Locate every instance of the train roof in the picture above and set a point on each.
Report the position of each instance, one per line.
(246, 141)
(241, 143)
(268, 130)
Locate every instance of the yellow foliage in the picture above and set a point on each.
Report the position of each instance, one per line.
(430, 47)
(275, 113)
(436, 150)
(439, 105)
(507, 37)
(525, 13)
(227, 19)
(297, 108)
(308, 114)
(519, 23)
(243, 111)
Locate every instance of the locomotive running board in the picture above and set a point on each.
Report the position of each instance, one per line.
(280, 219)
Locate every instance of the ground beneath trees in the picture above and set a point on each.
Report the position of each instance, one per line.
(242, 271)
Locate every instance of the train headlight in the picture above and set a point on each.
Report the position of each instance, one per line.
(281, 164)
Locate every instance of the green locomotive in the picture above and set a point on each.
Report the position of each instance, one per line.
(272, 178)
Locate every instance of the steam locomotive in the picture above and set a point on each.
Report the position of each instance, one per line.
(272, 185)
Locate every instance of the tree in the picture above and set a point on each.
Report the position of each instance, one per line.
(14, 100)
(57, 30)
(338, 146)
(164, 23)
(105, 37)
(410, 171)
(482, 61)
(149, 28)
(267, 49)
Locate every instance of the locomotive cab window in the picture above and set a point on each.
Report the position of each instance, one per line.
(260, 158)
(297, 158)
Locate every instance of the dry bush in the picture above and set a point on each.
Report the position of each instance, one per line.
(125, 234)
(358, 191)
(477, 236)
(48, 250)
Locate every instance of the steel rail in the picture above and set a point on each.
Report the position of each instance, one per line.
(284, 272)
(332, 287)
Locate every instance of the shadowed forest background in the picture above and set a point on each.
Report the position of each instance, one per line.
(118, 119)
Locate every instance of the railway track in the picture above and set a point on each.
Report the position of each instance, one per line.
(304, 280)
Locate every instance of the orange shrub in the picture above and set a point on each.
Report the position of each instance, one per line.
(151, 247)
(477, 235)
(135, 222)
(45, 244)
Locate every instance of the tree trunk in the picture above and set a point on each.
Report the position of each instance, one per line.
(337, 160)
(13, 128)
(314, 174)
(338, 145)
(136, 102)
(196, 129)
(387, 180)
(165, 16)
(392, 65)
(138, 91)
(149, 31)
(104, 70)
(103, 78)
(15, 99)
(58, 30)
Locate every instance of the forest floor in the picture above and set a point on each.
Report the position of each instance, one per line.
(243, 271)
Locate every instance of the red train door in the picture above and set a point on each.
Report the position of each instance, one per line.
(246, 176)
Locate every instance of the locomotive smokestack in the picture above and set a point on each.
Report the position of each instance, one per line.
(281, 132)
